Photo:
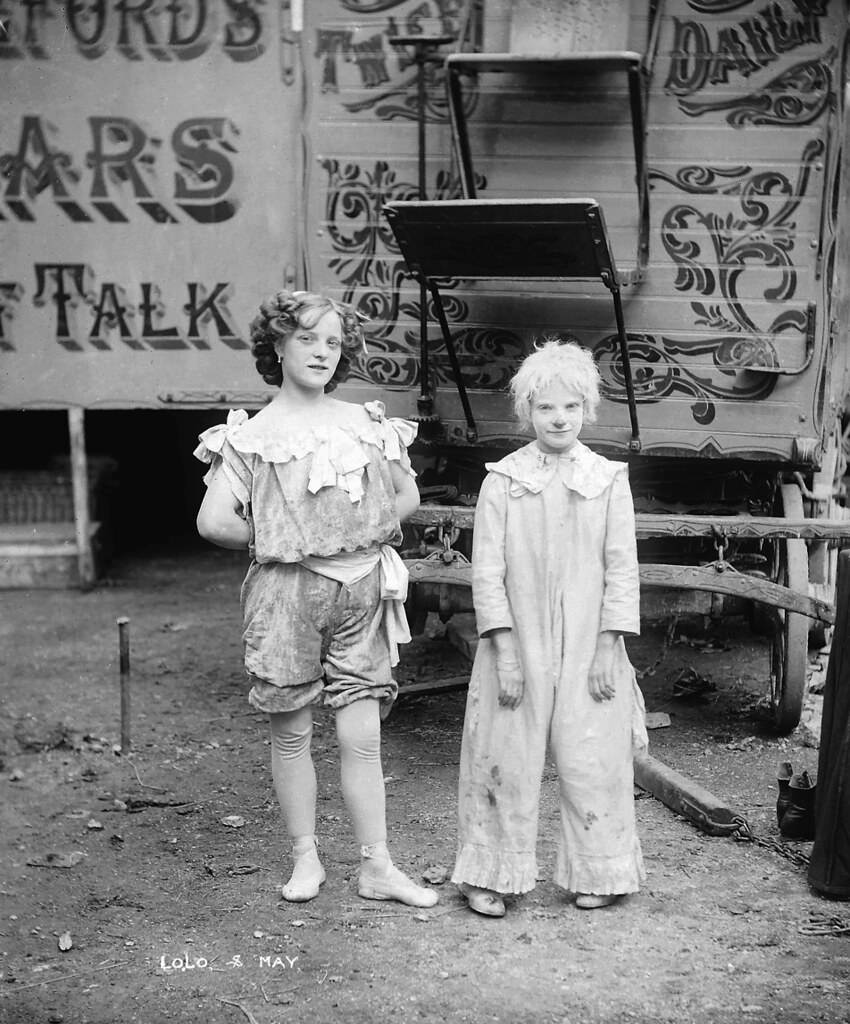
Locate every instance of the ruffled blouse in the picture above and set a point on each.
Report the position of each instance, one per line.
(317, 491)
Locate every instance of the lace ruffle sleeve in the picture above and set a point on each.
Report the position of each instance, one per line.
(214, 448)
(212, 440)
(396, 435)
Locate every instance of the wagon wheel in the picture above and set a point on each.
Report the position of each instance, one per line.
(789, 640)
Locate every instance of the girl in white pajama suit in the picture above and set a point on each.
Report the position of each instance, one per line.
(555, 588)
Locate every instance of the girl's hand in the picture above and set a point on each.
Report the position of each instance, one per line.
(601, 680)
(508, 668)
(511, 683)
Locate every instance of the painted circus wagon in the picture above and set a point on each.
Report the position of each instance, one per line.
(666, 183)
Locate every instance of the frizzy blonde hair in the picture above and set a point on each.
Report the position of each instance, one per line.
(555, 360)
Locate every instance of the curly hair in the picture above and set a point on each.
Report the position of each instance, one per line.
(555, 360)
(283, 313)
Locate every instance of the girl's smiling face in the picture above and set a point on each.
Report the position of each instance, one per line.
(309, 356)
(557, 414)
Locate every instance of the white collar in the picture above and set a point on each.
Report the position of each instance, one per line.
(530, 470)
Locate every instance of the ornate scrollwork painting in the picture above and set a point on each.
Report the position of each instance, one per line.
(665, 367)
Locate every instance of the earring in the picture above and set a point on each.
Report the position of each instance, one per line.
(280, 358)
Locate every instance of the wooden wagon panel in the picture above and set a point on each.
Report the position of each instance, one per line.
(730, 330)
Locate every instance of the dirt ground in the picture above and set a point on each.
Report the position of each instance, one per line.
(160, 871)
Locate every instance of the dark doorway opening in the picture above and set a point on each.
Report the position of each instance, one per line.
(146, 484)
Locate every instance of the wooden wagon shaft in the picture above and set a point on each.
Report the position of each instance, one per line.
(677, 577)
(650, 524)
(738, 584)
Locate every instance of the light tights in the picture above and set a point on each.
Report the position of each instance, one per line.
(293, 772)
(358, 729)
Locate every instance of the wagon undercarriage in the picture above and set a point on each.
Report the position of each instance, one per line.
(758, 566)
(724, 366)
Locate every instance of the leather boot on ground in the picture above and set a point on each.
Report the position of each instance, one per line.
(798, 821)
(784, 771)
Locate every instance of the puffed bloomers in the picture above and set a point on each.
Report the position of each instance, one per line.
(310, 640)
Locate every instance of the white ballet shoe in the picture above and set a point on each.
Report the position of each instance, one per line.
(380, 879)
(307, 873)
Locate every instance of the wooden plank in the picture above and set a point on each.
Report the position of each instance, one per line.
(730, 581)
(80, 484)
(36, 555)
(443, 515)
(583, 307)
(432, 570)
(723, 580)
(434, 686)
(41, 534)
(55, 569)
(52, 539)
(586, 305)
(21, 551)
(684, 796)
(498, 153)
(499, 30)
(620, 217)
(651, 524)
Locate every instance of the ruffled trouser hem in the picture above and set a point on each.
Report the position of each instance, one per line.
(516, 873)
(605, 876)
(498, 870)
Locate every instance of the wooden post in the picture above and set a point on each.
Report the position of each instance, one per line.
(296, 10)
(829, 867)
(80, 484)
(124, 669)
(684, 796)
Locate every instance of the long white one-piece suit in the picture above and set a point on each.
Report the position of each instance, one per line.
(555, 560)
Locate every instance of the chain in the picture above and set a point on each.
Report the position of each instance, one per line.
(817, 924)
(823, 924)
(744, 833)
(669, 636)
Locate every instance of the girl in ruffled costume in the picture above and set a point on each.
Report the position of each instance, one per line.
(555, 588)
(316, 489)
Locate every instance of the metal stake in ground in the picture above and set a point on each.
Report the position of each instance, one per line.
(124, 667)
